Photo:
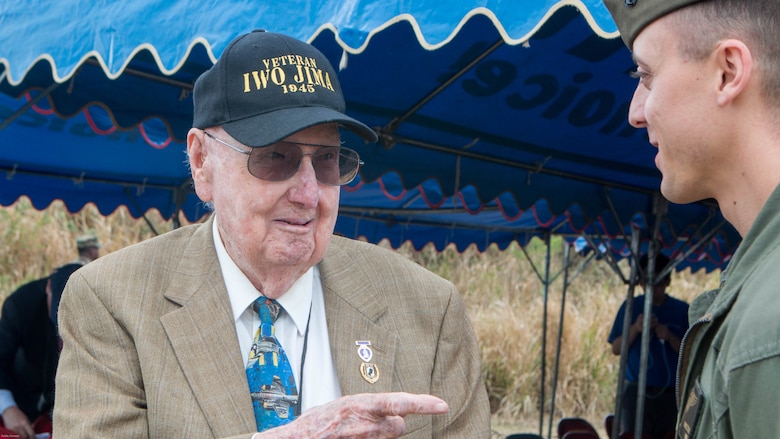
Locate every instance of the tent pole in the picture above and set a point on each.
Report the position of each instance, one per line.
(613, 209)
(566, 254)
(629, 310)
(704, 240)
(185, 86)
(609, 257)
(544, 331)
(397, 121)
(659, 208)
(28, 105)
(388, 139)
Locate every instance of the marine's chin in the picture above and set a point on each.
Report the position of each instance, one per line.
(678, 195)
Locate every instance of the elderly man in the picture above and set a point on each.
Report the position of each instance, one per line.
(709, 96)
(259, 322)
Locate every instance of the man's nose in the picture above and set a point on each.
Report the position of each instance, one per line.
(307, 190)
(636, 111)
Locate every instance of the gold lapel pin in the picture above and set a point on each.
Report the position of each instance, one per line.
(370, 372)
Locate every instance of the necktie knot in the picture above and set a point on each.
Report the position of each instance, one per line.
(267, 309)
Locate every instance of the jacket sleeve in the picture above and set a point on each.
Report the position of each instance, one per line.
(99, 384)
(457, 377)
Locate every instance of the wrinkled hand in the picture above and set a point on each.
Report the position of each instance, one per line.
(15, 420)
(379, 415)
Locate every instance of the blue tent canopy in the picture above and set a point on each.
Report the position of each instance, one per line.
(498, 121)
(65, 34)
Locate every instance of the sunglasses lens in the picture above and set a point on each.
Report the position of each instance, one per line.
(326, 165)
(333, 166)
(276, 162)
(349, 162)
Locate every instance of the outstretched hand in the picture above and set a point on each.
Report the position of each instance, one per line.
(379, 415)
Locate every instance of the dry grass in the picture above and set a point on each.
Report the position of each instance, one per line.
(505, 300)
(504, 297)
(33, 243)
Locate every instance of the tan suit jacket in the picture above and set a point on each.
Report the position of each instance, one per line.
(150, 345)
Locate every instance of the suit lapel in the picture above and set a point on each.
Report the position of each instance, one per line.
(203, 336)
(353, 307)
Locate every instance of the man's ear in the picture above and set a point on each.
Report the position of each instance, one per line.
(735, 63)
(196, 150)
(197, 153)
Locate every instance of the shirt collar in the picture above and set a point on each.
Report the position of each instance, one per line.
(296, 301)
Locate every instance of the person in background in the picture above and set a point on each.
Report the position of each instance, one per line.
(260, 322)
(709, 97)
(668, 324)
(88, 247)
(29, 349)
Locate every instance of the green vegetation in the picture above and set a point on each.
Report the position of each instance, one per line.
(503, 294)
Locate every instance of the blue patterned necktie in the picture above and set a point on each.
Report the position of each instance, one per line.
(271, 380)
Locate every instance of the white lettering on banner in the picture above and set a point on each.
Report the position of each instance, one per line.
(304, 79)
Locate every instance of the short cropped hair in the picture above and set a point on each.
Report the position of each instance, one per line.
(756, 23)
(661, 261)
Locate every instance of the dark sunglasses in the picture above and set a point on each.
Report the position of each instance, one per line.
(333, 165)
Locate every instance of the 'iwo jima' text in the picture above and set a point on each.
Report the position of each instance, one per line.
(306, 75)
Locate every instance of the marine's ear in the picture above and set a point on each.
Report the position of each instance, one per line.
(735, 64)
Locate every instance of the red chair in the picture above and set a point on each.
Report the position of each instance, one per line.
(566, 425)
(6, 433)
(42, 424)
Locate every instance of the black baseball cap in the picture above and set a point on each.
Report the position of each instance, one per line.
(267, 86)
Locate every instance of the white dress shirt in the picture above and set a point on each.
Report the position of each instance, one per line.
(6, 400)
(320, 382)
